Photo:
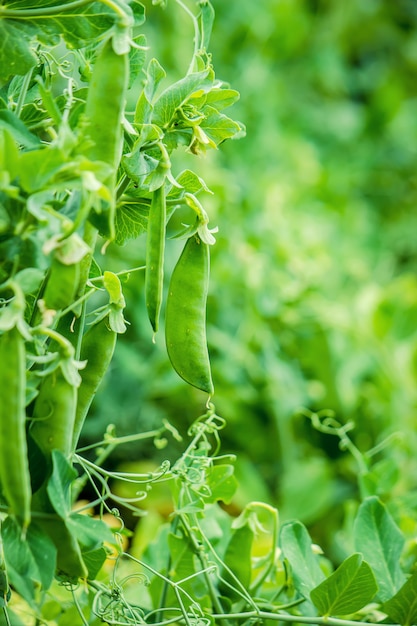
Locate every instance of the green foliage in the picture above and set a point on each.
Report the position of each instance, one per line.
(95, 146)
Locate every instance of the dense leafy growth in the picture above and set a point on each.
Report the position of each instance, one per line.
(104, 227)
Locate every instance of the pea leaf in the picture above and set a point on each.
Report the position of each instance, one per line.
(347, 590)
(59, 484)
(221, 483)
(131, 219)
(381, 542)
(78, 26)
(237, 559)
(9, 121)
(218, 127)
(90, 533)
(402, 608)
(297, 549)
(177, 94)
(30, 562)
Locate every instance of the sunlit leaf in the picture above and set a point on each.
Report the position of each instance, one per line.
(347, 590)
(379, 539)
(402, 608)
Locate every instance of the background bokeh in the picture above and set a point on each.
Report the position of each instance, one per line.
(313, 293)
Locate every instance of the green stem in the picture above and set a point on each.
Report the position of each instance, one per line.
(284, 617)
(196, 34)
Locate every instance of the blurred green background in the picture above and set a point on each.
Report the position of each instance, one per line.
(313, 293)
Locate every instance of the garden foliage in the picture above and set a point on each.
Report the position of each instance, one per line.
(104, 233)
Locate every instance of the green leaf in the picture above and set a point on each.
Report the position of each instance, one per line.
(29, 279)
(94, 560)
(402, 608)
(381, 542)
(155, 74)
(218, 127)
(9, 121)
(16, 57)
(131, 219)
(90, 533)
(44, 554)
(177, 94)
(298, 550)
(222, 483)
(190, 183)
(59, 484)
(238, 561)
(78, 26)
(21, 567)
(347, 590)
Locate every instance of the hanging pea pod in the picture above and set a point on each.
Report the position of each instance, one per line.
(14, 466)
(185, 324)
(62, 285)
(104, 115)
(54, 414)
(97, 349)
(155, 246)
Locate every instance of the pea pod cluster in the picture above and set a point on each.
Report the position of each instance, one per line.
(14, 467)
(185, 323)
(104, 115)
(97, 350)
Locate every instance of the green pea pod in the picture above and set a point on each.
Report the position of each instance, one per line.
(97, 349)
(14, 466)
(62, 285)
(185, 324)
(54, 414)
(104, 114)
(155, 247)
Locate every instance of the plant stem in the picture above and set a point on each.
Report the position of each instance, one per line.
(284, 617)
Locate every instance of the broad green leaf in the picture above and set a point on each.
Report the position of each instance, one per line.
(218, 127)
(190, 183)
(44, 554)
(298, 550)
(10, 122)
(221, 98)
(237, 560)
(70, 563)
(347, 590)
(90, 532)
(29, 279)
(381, 542)
(144, 106)
(59, 484)
(221, 483)
(402, 608)
(177, 94)
(21, 567)
(16, 56)
(131, 219)
(78, 26)
(94, 560)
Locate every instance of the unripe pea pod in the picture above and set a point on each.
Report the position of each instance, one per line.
(14, 466)
(185, 322)
(97, 349)
(155, 246)
(104, 115)
(54, 414)
(62, 285)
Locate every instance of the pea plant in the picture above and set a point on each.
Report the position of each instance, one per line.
(89, 129)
